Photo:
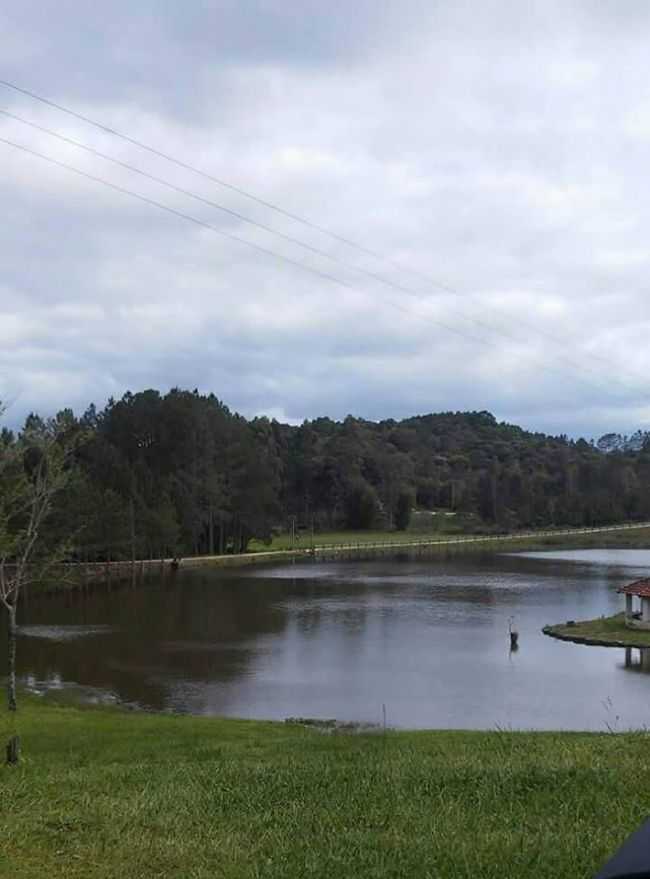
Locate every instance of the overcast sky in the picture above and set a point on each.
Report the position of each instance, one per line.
(495, 154)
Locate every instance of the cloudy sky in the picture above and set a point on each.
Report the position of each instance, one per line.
(490, 160)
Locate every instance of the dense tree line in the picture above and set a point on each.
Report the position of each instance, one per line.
(181, 474)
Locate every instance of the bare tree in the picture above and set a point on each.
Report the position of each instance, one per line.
(33, 470)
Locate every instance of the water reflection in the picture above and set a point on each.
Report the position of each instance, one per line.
(637, 659)
(429, 638)
(62, 633)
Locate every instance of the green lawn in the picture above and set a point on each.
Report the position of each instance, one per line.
(104, 793)
(604, 629)
(328, 538)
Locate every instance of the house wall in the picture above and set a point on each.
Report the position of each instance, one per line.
(644, 622)
(645, 610)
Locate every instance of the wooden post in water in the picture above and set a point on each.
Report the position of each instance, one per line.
(514, 636)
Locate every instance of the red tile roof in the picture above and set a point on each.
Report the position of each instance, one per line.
(639, 587)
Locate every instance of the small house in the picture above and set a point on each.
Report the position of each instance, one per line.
(639, 618)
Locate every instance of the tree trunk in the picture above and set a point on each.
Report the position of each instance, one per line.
(11, 680)
(132, 517)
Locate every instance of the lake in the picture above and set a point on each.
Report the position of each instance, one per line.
(427, 638)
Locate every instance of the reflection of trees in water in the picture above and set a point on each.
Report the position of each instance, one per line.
(194, 628)
(638, 659)
(170, 638)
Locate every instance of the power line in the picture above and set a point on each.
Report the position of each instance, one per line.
(186, 192)
(400, 287)
(186, 166)
(275, 207)
(296, 241)
(171, 210)
(203, 224)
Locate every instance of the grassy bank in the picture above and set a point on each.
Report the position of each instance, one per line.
(334, 538)
(632, 538)
(350, 543)
(102, 793)
(604, 630)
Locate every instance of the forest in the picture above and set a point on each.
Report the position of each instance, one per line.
(180, 474)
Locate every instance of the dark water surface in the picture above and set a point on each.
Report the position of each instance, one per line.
(428, 638)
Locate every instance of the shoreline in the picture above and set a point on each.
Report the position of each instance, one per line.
(85, 577)
(622, 536)
(601, 632)
(317, 725)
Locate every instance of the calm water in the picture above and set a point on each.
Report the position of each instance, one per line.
(427, 638)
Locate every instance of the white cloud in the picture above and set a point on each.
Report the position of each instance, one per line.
(498, 149)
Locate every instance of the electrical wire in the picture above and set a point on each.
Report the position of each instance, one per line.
(203, 224)
(292, 240)
(288, 214)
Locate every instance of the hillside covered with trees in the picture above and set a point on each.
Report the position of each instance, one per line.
(181, 474)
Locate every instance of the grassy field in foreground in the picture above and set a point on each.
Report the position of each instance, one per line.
(103, 793)
(603, 629)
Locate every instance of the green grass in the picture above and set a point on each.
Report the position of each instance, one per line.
(604, 629)
(329, 538)
(632, 538)
(101, 793)
(638, 538)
